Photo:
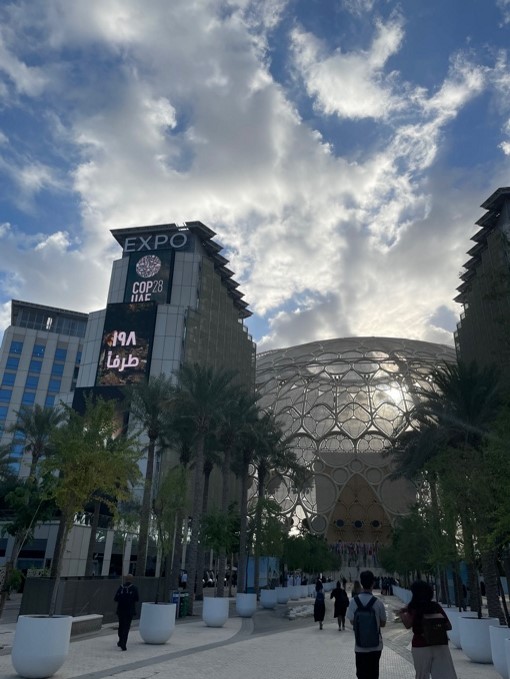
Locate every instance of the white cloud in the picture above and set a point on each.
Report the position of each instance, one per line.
(180, 118)
(351, 84)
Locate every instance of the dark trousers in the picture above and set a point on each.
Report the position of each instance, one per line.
(124, 626)
(367, 665)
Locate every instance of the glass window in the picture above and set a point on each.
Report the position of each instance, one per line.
(60, 354)
(50, 401)
(32, 382)
(78, 357)
(38, 350)
(58, 369)
(9, 379)
(3, 412)
(54, 385)
(28, 398)
(12, 363)
(17, 450)
(5, 395)
(35, 366)
(16, 347)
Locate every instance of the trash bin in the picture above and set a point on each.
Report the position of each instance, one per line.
(176, 599)
(184, 604)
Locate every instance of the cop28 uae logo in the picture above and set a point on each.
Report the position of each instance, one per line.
(148, 266)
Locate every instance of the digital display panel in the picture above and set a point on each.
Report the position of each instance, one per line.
(149, 277)
(126, 345)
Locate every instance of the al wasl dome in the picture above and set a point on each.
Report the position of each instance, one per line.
(342, 402)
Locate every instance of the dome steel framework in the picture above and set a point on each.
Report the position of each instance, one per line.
(342, 403)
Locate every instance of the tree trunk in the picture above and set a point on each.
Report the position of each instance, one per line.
(491, 579)
(89, 568)
(58, 566)
(58, 547)
(258, 530)
(475, 602)
(145, 514)
(225, 498)
(199, 592)
(177, 559)
(242, 585)
(198, 492)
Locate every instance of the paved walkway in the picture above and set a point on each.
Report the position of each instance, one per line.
(268, 646)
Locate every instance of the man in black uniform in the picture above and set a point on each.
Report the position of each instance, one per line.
(126, 598)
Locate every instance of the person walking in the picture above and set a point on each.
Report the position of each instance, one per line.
(367, 615)
(356, 588)
(319, 607)
(126, 598)
(431, 654)
(341, 603)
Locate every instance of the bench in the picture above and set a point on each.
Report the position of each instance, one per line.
(84, 624)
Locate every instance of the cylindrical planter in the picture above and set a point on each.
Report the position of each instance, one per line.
(475, 639)
(246, 604)
(498, 635)
(294, 591)
(506, 645)
(157, 622)
(311, 590)
(282, 595)
(304, 591)
(41, 644)
(215, 611)
(453, 616)
(268, 598)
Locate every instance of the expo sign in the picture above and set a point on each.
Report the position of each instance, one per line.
(156, 241)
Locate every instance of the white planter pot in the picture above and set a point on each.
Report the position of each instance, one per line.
(246, 605)
(475, 639)
(311, 590)
(215, 611)
(498, 635)
(295, 592)
(304, 591)
(157, 622)
(506, 646)
(282, 595)
(268, 598)
(41, 645)
(453, 616)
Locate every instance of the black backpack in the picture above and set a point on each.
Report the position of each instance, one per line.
(366, 628)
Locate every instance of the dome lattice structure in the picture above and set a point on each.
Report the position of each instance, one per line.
(342, 403)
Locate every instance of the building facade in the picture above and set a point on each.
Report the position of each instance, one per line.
(171, 300)
(483, 333)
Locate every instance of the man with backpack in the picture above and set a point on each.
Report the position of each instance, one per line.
(367, 615)
(126, 598)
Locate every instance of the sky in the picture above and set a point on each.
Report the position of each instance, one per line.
(340, 149)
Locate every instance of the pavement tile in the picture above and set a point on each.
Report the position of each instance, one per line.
(269, 646)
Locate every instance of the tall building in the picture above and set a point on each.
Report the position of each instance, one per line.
(39, 359)
(171, 300)
(483, 333)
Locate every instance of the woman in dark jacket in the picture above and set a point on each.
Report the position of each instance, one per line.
(319, 607)
(341, 604)
(429, 647)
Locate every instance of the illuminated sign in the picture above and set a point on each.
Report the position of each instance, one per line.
(149, 277)
(126, 346)
(173, 240)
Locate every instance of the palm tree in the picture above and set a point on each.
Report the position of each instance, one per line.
(236, 422)
(201, 398)
(35, 425)
(453, 424)
(272, 456)
(89, 460)
(150, 408)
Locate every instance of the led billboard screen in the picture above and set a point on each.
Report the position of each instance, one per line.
(126, 345)
(149, 277)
